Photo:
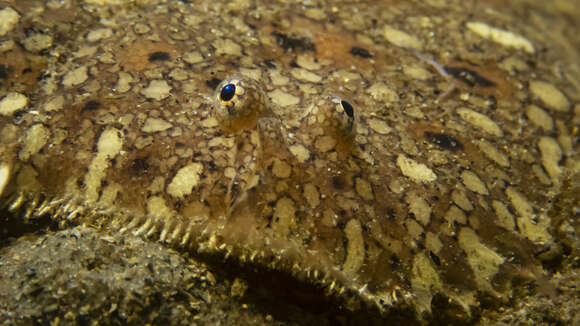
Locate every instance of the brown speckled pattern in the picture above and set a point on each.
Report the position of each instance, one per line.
(413, 195)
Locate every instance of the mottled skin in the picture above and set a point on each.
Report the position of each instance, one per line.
(408, 196)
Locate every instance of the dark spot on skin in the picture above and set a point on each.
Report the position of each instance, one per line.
(469, 77)
(435, 258)
(3, 72)
(360, 52)
(492, 102)
(269, 64)
(140, 165)
(338, 182)
(159, 56)
(347, 108)
(26, 70)
(395, 262)
(212, 166)
(444, 141)
(213, 83)
(292, 43)
(91, 106)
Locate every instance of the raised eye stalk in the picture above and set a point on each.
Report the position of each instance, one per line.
(239, 103)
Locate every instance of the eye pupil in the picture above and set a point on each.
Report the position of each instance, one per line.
(228, 92)
(347, 108)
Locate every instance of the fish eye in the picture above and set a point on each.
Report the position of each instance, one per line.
(238, 103)
(347, 108)
(227, 92)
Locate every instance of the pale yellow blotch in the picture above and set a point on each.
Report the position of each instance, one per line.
(155, 125)
(355, 250)
(109, 194)
(433, 243)
(99, 34)
(35, 139)
(534, 227)
(364, 189)
(227, 47)
(425, 282)
(505, 219)
(4, 176)
(307, 62)
(281, 169)
(483, 261)
(474, 183)
(55, 104)
(480, 121)
(325, 143)
(459, 197)
(8, 19)
(157, 90)
(75, 77)
(492, 153)
(419, 207)
(414, 229)
(157, 208)
(109, 146)
(552, 97)
(551, 155)
(418, 172)
(540, 117)
(400, 38)
(12, 103)
(379, 126)
(185, 180)
(381, 92)
(312, 195)
(283, 99)
(503, 37)
(300, 152)
(284, 218)
(305, 75)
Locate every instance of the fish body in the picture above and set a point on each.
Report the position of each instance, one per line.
(305, 139)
